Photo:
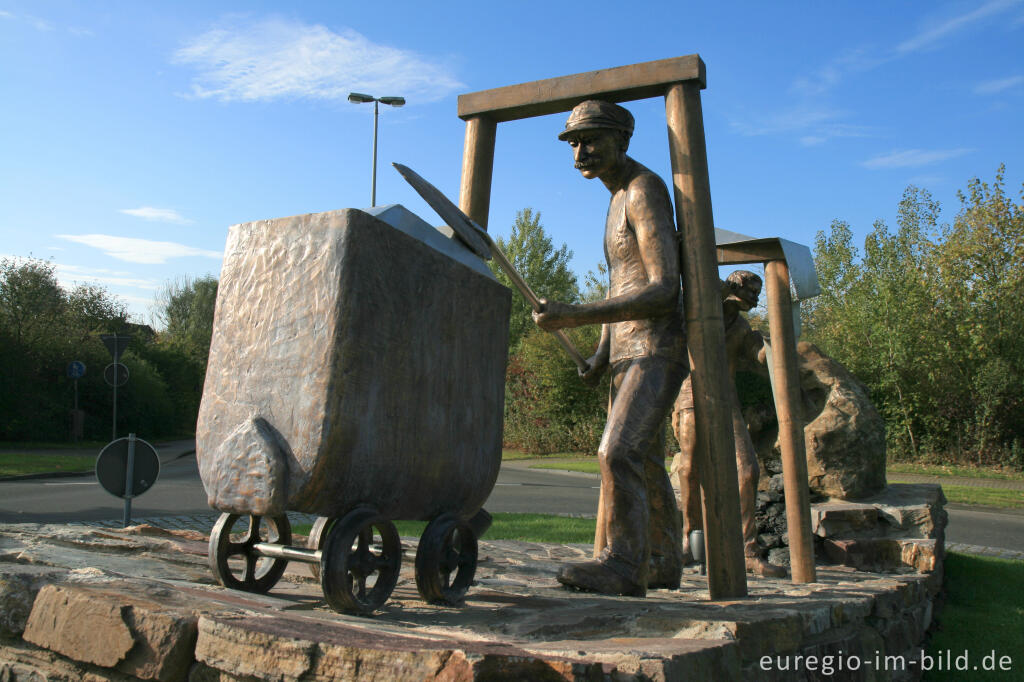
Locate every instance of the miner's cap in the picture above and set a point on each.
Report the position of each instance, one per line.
(595, 113)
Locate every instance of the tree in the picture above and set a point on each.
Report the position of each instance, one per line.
(545, 269)
(42, 328)
(32, 304)
(929, 319)
(596, 284)
(875, 316)
(548, 408)
(184, 310)
(980, 282)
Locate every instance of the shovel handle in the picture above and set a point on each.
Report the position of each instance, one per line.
(535, 303)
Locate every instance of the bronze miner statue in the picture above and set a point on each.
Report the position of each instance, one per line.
(743, 346)
(643, 341)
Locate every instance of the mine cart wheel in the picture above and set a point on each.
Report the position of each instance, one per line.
(446, 560)
(317, 538)
(360, 562)
(234, 561)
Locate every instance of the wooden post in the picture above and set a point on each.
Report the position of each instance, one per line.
(791, 429)
(600, 536)
(716, 449)
(477, 166)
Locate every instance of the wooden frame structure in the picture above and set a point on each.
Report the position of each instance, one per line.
(679, 80)
(786, 392)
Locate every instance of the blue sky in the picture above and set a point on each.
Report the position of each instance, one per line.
(133, 134)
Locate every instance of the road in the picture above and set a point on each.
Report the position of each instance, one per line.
(519, 489)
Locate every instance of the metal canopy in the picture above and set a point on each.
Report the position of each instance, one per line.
(734, 249)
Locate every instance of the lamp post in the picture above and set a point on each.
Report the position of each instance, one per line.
(359, 98)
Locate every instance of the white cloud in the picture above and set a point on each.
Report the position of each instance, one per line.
(817, 125)
(911, 158)
(832, 73)
(820, 82)
(138, 250)
(930, 36)
(927, 180)
(39, 24)
(77, 274)
(277, 58)
(5, 15)
(995, 86)
(164, 215)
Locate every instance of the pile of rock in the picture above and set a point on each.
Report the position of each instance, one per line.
(843, 432)
(901, 528)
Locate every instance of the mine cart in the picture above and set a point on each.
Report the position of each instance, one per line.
(357, 373)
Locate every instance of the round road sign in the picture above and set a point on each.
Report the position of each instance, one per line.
(76, 369)
(115, 374)
(112, 466)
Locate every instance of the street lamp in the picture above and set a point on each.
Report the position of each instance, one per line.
(359, 98)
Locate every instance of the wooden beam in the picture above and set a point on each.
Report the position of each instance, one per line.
(791, 428)
(477, 168)
(702, 297)
(554, 95)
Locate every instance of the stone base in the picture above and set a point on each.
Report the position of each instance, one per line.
(140, 603)
(901, 528)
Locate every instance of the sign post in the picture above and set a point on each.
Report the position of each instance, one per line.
(116, 345)
(76, 370)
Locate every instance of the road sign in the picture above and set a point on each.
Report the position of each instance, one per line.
(76, 369)
(116, 343)
(115, 469)
(115, 374)
(126, 468)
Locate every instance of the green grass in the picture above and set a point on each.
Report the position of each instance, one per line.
(21, 463)
(985, 497)
(952, 470)
(984, 612)
(525, 527)
(512, 455)
(587, 466)
(62, 445)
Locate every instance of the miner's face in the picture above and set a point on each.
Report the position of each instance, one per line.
(596, 152)
(744, 293)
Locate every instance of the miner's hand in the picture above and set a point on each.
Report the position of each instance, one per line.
(596, 366)
(553, 315)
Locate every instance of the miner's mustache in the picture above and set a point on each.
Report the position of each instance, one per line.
(585, 164)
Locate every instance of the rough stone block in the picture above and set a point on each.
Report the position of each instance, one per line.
(112, 629)
(647, 658)
(883, 554)
(843, 519)
(914, 510)
(79, 626)
(293, 649)
(351, 362)
(19, 585)
(23, 662)
(843, 432)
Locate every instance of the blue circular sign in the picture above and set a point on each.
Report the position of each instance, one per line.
(76, 369)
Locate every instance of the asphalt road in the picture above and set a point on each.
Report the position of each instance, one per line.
(518, 489)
